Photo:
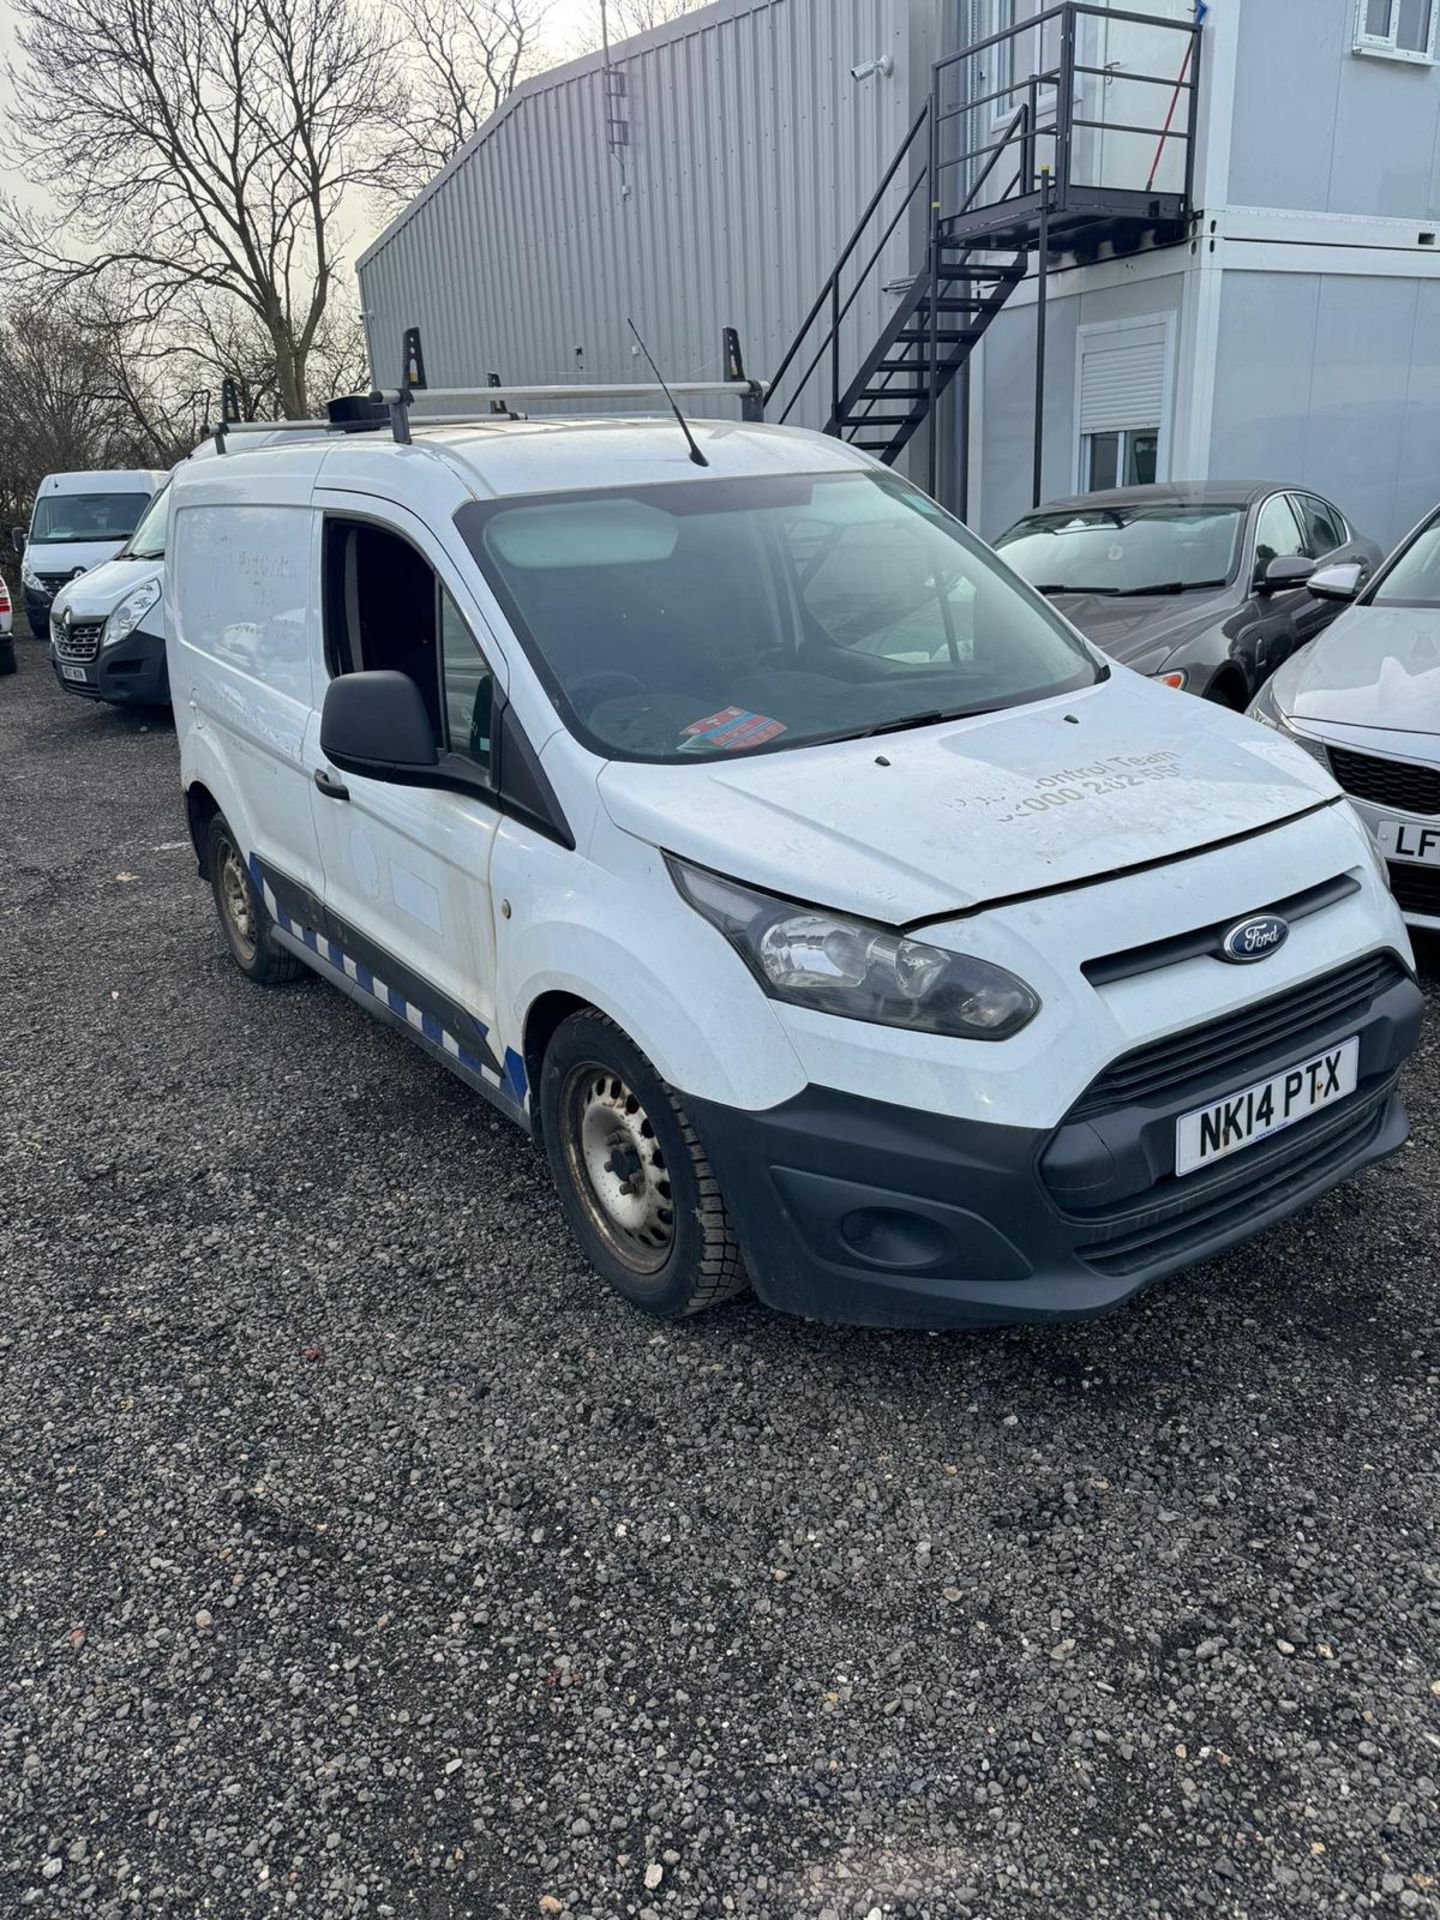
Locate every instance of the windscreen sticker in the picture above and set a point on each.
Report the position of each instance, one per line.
(729, 730)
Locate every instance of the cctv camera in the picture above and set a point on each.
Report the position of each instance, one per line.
(884, 66)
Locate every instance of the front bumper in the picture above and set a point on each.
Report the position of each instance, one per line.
(860, 1211)
(132, 674)
(1414, 881)
(37, 609)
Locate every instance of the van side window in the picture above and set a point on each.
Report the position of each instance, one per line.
(469, 686)
(381, 607)
(386, 608)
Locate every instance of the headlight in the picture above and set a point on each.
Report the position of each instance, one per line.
(29, 577)
(1266, 709)
(131, 611)
(813, 958)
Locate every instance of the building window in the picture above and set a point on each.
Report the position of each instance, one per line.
(1122, 402)
(1397, 29)
(1120, 458)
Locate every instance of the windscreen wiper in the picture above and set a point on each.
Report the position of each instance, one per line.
(1164, 586)
(1051, 589)
(919, 720)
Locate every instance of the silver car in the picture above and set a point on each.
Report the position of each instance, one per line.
(1365, 699)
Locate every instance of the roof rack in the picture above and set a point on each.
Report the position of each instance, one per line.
(476, 404)
(363, 413)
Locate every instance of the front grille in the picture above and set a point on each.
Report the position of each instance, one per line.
(80, 642)
(53, 582)
(1200, 941)
(1232, 1198)
(1387, 783)
(1240, 1044)
(1416, 889)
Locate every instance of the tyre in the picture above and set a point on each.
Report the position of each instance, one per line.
(633, 1178)
(7, 654)
(243, 918)
(39, 633)
(1225, 692)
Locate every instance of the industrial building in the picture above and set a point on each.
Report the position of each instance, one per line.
(1010, 249)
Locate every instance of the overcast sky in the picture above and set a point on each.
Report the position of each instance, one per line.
(566, 23)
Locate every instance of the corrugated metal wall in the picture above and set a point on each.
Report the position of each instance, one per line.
(752, 153)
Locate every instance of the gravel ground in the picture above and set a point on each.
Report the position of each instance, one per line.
(363, 1556)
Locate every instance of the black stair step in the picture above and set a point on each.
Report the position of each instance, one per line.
(870, 446)
(947, 336)
(915, 395)
(883, 420)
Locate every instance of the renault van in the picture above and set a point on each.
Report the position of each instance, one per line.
(839, 920)
(107, 633)
(78, 520)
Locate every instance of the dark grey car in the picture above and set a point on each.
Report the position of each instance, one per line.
(1199, 584)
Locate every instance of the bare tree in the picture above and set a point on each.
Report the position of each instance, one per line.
(60, 407)
(464, 59)
(627, 17)
(197, 152)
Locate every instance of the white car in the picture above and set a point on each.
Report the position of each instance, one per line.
(1364, 699)
(7, 643)
(839, 919)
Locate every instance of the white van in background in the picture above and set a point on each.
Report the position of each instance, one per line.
(107, 629)
(78, 520)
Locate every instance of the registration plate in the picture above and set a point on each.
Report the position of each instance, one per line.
(1210, 1133)
(74, 673)
(1403, 840)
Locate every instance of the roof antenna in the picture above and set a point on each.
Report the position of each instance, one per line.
(695, 454)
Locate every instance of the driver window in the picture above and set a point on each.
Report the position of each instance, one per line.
(1277, 535)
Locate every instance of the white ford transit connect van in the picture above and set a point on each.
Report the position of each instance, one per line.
(839, 919)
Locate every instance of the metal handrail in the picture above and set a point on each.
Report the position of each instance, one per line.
(832, 282)
(852, 296)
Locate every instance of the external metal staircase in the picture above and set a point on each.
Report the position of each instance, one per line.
(1026, 156)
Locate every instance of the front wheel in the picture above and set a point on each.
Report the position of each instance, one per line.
(247, 927)
(637, 1189)
(7, 654)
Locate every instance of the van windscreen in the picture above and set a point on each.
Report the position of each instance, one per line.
(733, 616)
(67, 518)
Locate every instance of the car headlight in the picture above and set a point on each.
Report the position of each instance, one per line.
(28, 576)
(1266, 709)
(827, 961)
(131, 611)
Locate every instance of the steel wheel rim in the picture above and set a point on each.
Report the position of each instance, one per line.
(235, 902)
(617, 1167)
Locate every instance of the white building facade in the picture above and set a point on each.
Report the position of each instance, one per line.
(1287, 327)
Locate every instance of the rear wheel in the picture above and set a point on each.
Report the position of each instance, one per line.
(639, 1193)
(247, 927)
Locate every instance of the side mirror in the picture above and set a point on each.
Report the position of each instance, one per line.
(376, 724)
(1340, 581)
(17, 539)
(1286, 572)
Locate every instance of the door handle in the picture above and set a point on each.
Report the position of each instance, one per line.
(332, 788)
